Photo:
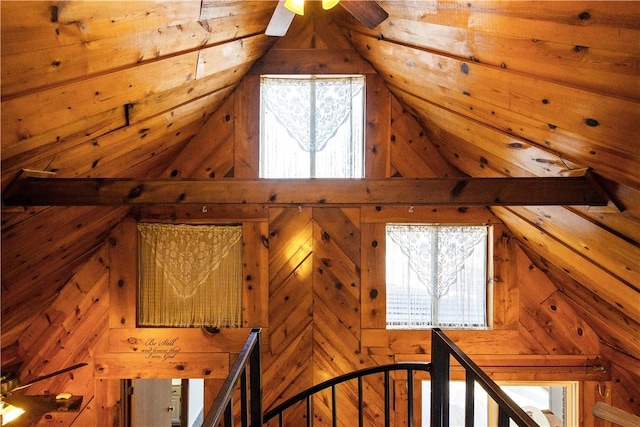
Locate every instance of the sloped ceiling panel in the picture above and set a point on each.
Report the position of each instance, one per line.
(528, 89)
(104, 89)
(119, 89)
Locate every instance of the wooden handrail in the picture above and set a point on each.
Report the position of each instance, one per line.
(615, 415)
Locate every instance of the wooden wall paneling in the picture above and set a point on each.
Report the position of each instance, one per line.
(607, 286)
(335, 351)
(552, 321)
(189, 365)
(198, 214)
(290, 298)
(528, 340)
(298, 61)
(288, 365)
(71, 238)
(412, 153)
(123, 276)
(177, 341)
(382, 341)
(373, 276)
(505, 301)
(290, 233)
(209, 154)
(211, 389)
(336, 305)
(313, 45)
(291, 307)
(590, 393)
(247, 128)
(624, 223)
(378, 128)
(610, 323)
(625, 389)
(255, 254)
(70, 343)
(65, 304)
(107, 402)
(24, 285)
(604, 248)
(618, 29)
(289, 371)
(342, 228)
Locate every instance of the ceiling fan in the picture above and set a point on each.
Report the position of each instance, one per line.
(36, 406)
(369, 13)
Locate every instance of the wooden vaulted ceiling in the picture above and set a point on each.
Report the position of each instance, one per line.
(501, 89)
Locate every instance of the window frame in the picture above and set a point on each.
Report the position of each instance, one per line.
(489, 273)
(140, 323)
(361, 168)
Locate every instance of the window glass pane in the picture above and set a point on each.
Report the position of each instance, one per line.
(436, 276)
(312, 127)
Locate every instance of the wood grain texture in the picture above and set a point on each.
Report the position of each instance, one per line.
(479, 89)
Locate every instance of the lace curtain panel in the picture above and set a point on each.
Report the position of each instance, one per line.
(312, 127)
(436, 276)
(190, 275)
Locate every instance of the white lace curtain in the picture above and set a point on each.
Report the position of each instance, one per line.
(441, 271)
(312, 127)
(190, 275)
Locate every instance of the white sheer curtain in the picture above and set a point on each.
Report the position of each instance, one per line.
(312, 127)
(436, 276)
(190, 275)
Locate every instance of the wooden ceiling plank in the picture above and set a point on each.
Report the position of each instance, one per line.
(369, 13)
(34, 191)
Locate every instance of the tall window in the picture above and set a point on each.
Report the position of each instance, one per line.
(190, 275)
(437, 276)
(312, 127)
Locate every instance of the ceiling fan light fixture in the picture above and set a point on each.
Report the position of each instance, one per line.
(328, 4)
(295, 6)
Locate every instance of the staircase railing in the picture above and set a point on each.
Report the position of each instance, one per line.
(442, 349)
(359, 375)
(221, 412)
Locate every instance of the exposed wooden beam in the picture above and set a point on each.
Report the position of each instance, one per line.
(34, 189)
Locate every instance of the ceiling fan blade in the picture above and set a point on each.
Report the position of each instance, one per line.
(53, 374)
(369, 13)
(280, 21)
